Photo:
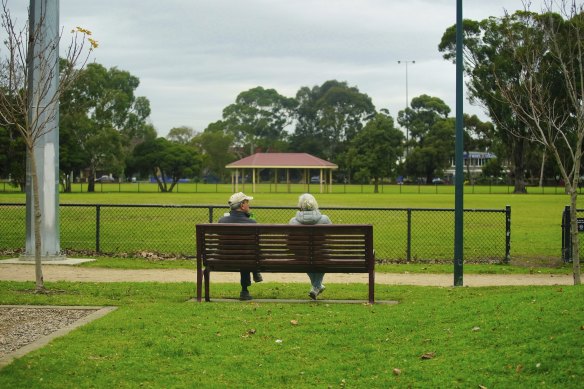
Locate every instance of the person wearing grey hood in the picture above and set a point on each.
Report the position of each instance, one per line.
(308, 213)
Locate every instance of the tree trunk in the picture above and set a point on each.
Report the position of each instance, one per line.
(542, 169)
(574, 236)
(518, 164)
(39, 281)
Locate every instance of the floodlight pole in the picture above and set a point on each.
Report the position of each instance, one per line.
(459, 172)
(44, 26)
(407, 102)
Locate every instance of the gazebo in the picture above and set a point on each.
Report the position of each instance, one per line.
(285, 161)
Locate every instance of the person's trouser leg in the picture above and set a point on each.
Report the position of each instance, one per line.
(245, 279)
(316, 279)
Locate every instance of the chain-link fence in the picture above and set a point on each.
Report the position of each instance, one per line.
(400, 234)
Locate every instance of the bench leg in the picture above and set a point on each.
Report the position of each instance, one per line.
(206, 274)
(199, 283)
(371, 287)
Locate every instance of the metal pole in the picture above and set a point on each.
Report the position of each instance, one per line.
(43, 83)
(459, 182)
(407, 101)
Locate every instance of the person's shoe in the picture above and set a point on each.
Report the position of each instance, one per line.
(244, 295)
(321, 289)
(313, 293)
(257, 277)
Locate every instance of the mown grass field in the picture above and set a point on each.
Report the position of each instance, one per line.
(507, 337)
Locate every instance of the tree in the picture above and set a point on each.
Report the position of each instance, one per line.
(375, 150)
(104, 119)
(258, 118)
(328, 117)
(12, 156)
(165, 160)
(182, 135)
(478, 136)
(547, 96)
(216, 146)
(485, 54)
(431, 136)
(30, 89)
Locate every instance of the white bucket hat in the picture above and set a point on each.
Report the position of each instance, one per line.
(238, 198)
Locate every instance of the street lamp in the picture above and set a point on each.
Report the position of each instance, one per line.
(407, 101)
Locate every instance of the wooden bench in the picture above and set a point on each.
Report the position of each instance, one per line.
(283, 248)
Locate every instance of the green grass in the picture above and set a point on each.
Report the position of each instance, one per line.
(520, 337)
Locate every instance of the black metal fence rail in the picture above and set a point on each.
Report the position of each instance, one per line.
(400, 234)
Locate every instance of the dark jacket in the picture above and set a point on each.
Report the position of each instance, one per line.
(236, 216)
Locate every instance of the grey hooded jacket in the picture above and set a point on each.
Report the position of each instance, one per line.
(310, 217)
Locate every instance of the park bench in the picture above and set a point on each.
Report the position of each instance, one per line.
(283, 248)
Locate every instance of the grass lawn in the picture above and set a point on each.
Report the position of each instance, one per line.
(520, 337)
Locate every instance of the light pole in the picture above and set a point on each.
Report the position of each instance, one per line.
(407, 101)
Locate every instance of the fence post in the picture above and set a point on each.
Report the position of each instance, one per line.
(507, 234)
(566, 241)
(97, 226)
(211, 214)
(409, 233)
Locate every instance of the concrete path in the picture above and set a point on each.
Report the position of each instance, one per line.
(53, 272)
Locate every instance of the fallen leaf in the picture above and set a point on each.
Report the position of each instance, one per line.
(396, 371)
(249, 332)
(429, 355)
(294, 322)
(518, 368)
(475, 329)
(482, 387)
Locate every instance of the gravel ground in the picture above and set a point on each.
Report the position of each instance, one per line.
(20, 326)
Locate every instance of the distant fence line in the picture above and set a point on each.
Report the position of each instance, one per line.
(194, 187)
(400, 234)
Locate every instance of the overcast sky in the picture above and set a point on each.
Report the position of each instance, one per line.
(193, 57)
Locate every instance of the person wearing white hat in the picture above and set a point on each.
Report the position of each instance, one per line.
(308, 213)
(239, 213)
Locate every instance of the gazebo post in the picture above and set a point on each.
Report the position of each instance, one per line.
(276, 180)
(330, 181)
(253, 180)
(236, 180)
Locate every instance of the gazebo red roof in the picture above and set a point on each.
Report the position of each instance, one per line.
(283, 160)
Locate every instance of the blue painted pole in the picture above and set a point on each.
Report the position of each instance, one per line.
(459, 171)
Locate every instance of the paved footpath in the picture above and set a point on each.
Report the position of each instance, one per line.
(25, 272)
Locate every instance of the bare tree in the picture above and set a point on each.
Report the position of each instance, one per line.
(31, 104)
(548, 95)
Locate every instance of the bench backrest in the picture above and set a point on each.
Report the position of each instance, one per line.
(339, 248)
